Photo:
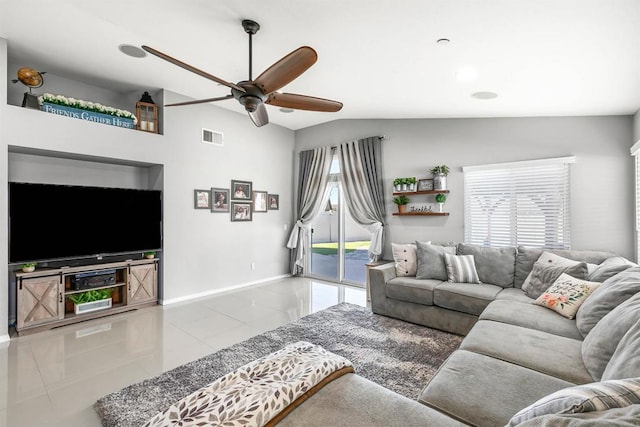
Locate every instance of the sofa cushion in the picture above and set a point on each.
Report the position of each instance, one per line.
(430, 260)
(526, 257)
(608, 296)
(514, 294)
(412, 290)
(405, 258)
(600, 344)
(552, 260)
(495, 266)
(469, 298)
(590, 397)
(354, 400)
(609, 268)
(462, 388)
(625, 361)
(566, 295)
(461, 268)
(540, 351)
(530, 316)
(543, 276)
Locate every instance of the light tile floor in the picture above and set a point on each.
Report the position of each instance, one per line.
(53, 378)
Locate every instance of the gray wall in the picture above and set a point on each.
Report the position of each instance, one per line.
(636, 126)
(203, 252)
(601, 179)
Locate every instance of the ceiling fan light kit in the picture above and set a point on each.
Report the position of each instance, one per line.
(254, 94)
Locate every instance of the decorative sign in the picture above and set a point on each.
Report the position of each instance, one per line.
(90, 116)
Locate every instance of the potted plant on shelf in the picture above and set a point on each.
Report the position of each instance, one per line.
(412, 183)
(92, 300)
(28, 267)
(440, 199)
(397, 184)
(149, 254)
(440, 177)
(401, 201)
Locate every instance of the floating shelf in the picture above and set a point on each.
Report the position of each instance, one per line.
(414, 193)
(421, 214)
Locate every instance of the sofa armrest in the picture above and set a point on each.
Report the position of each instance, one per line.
(378, 278)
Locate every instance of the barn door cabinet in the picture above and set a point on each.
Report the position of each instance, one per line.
(42, 295)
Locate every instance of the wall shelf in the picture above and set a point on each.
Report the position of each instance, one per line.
(421, 214)
(414, 193)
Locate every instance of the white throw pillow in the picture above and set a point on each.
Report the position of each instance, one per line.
(405, 258)
(566, 295)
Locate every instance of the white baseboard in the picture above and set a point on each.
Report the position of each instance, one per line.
(221, 290)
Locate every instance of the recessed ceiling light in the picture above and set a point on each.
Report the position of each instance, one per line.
(443, 41)
(131, 50)
(286, 110)
(484, 95)
(467, 73)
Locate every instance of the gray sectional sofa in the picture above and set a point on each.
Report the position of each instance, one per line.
(516, 352)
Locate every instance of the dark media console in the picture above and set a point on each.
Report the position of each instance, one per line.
(93, 279)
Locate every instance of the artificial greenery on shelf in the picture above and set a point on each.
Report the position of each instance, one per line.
(96, 107)
(90, 296)
(401, 200)
(440, 170)
(441, 198)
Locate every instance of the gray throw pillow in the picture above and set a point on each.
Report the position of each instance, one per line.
(613, 292)
(625, 362)
(592, 397)
(496, 266)
(543, 276)
(431, 261)
(609, 268)
(598, 347)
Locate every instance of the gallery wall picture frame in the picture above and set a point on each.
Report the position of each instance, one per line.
(259, 201)
(241, 211)
(241, 190)
(425, 184)
(219, 200)
(273, 202)
(202, 199)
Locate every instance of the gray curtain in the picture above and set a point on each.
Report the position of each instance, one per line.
(313, 175)
(361, 172)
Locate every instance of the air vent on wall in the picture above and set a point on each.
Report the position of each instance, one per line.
(212, 137)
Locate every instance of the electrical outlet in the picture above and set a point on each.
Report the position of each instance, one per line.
(253, 266)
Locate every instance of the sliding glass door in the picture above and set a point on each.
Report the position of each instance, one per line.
(339, 246)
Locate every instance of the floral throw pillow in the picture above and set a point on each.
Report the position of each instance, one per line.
(566, 295)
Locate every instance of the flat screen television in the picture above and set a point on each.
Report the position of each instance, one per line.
(51, 222)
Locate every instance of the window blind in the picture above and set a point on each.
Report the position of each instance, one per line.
(520, 203)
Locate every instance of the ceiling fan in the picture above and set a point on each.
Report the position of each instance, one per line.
(254, 94)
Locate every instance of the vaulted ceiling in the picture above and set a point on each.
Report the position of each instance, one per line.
(381, 58)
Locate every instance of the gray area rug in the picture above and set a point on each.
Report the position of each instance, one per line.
(398, 355)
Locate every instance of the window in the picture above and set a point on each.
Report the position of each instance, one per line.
(518, 204)
(635, 152)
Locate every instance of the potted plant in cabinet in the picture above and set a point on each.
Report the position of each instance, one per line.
(92, 300)
(401, 201)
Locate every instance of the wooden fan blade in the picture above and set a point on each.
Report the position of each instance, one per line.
(286, 69)
(200, 101)
(191, 68)
(260, 116)
(303, 102)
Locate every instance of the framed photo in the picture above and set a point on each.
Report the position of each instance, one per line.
(219, 200)
(241, 190)
(202, 199)
(241, 211)
(425, 184)
(259, 201)
(274, 202)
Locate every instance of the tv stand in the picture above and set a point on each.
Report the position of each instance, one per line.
(42, 295)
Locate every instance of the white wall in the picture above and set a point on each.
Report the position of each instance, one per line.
(601, 179)
(203, 252)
